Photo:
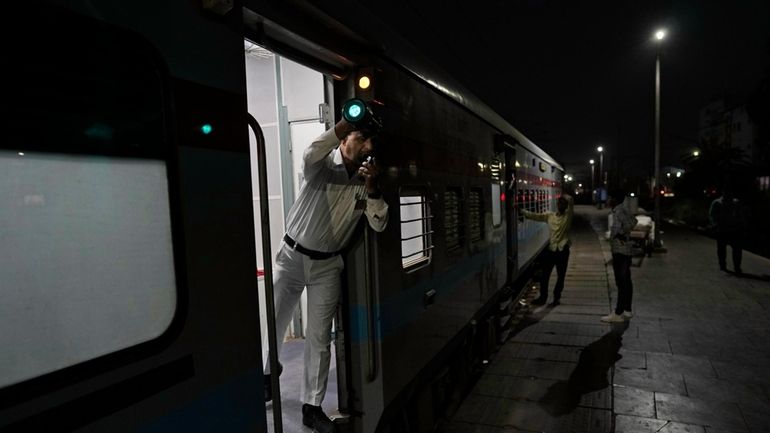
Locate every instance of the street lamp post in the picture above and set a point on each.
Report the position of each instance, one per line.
(602, 181)
(659, 35)
(592, 174)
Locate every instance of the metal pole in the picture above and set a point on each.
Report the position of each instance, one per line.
(592, 178)
(267, 262)
(656, 191)
(601, 169)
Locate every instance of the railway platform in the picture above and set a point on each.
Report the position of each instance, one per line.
(694, 358)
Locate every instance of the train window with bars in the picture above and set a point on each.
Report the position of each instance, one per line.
(497, 204)
(416, 217)
(496, 171)
(541, 201)
(453, 225)
(476, 215)
(531, 205)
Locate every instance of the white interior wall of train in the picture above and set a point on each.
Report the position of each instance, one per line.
(284, 97)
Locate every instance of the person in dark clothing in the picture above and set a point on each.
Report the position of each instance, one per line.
(727, 215)
(623, 221)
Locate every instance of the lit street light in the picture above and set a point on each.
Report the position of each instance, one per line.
(659, 35)
(592, 174)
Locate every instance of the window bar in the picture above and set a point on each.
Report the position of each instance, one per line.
(415, 237)
(418, 252)
(417, 219)
(415, 203)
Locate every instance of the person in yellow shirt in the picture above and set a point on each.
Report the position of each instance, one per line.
(557, 253)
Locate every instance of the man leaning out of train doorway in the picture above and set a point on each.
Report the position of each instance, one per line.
(557, 253)
(623, 221)
(340, 185)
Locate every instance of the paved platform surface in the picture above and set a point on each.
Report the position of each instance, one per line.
(695, 357)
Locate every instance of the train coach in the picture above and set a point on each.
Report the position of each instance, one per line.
(134, 214)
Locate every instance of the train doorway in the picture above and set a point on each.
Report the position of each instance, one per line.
(289, 100)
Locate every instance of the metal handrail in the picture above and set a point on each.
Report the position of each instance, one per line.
(267, 263)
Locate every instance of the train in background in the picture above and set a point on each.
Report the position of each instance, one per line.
(130, 298)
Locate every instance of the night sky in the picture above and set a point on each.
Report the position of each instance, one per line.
(572, 75)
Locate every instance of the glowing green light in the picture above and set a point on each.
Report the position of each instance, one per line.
(354, 111)
(206, 129)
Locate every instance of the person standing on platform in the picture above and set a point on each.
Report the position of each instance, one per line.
(557, 253)
(340, 186)
(727, 215)
(620, 244)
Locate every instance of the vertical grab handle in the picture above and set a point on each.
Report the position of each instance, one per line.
(267, 262)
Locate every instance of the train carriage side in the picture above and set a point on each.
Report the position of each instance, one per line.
(428, 299)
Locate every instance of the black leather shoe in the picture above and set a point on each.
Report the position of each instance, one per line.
(315, 418)
(555, 303)
(269, 385)
(539, 301)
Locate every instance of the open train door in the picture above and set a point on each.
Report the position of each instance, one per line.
(506, 144)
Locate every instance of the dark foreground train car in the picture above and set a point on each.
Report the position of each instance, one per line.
(130, 302)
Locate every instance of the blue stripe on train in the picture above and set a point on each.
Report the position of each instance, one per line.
(233, 407)
(401, 309)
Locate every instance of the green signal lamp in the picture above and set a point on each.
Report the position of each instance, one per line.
(354, 110)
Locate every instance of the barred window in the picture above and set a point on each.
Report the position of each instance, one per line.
(531, 203)
(416, 242)
(453, 226)
(476, 215)
(541, 201)
(497, 204)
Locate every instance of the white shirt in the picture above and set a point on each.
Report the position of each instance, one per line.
(558, 225)
(330, 203)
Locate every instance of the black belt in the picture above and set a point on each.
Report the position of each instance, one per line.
(315, 255)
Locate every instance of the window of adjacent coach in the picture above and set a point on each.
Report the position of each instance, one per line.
(496, 172)
(88, 261)
(497, 204)
(453, 227)
(541, 201)
(416, 239)
(476, 214)
(531, 201)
